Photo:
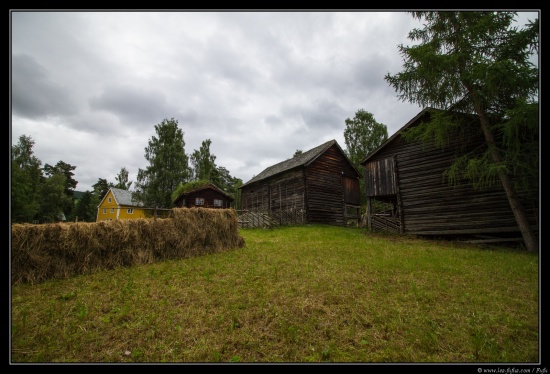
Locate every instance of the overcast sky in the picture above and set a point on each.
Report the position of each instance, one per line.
(89, 87)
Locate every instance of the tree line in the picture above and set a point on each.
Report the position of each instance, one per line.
(44, 194)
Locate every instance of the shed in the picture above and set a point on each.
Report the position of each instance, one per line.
(205, 196)
(321, 185)
(407, 193)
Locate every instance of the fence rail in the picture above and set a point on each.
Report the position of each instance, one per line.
(247, 219)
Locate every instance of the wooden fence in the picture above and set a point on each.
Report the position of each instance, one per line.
(247, 219)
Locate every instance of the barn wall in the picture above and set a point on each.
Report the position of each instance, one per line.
(325, 198)
(431, 207)
(283, 192)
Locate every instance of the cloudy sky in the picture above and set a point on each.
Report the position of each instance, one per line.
(89, 87)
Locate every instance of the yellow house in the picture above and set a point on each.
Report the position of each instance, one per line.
(118, 204)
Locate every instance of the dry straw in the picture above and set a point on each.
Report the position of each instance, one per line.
(62, 250)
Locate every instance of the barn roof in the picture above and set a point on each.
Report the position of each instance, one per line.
(303, 159)
(397, 133)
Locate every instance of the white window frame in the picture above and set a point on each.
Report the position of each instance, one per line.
(199, 201)
(130, 211)
(109, 199)
(112, 210)
(104, 210)
(218, 203)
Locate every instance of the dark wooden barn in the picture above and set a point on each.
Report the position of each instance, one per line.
(205, 196)
(408, 194)
(321, 185)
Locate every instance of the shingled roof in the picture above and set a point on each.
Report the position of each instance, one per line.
(124, 197)
(303, 159)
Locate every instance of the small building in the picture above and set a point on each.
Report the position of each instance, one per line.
(408, 194)
(118, 204)
(321, 184)
(205, 196)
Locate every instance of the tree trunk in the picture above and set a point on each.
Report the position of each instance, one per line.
(529, 237)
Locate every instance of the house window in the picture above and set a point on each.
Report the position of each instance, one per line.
(112, 210)
(130, 210)
(104, 210)
(217, 202)
(109, 199)
(199, 201)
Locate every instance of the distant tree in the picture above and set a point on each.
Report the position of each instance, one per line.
(235, 191)
(168, 166)
(86, 207)
(229, 184)
(203, 162)
(224, 180)
(53, 199)
(362, 135)
(26, 177)
(122, 180)
(65, 169)
(101, 187)
(70, 184)
(297, 153)
(478, 63)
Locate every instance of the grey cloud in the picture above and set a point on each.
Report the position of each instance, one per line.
(34, 94)
(134, 105)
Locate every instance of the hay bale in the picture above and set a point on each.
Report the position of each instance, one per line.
(61, 250)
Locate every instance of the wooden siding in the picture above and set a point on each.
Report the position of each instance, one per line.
(380, 177)
(325, 198)
(429, 205)
(285, 191)
(352, 192)
(208, 195)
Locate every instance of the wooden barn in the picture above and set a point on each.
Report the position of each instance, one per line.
(408, 194)
(318, 186)
(205, 196)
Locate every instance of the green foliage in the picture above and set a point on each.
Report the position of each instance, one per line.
(26, 176)
(203, 162)
(363, 135)
(67, 171)
(168, 166)
(520, 138)
(122, 180)
(54, 202)
(43, 194)
(86, 207)
(101, 187)
(189, 186)
(467, 61)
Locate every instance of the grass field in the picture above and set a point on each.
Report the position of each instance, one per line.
(292, 295)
